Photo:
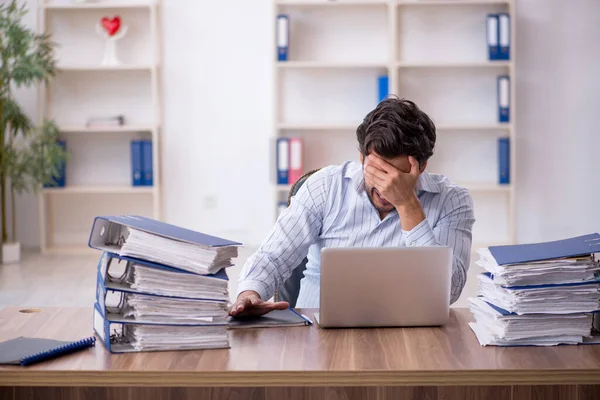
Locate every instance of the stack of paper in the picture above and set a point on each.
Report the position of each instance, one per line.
(538, 294)
(160, 287)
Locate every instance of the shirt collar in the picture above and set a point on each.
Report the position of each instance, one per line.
(425, 183)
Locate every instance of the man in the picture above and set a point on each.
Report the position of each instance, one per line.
(386, 200)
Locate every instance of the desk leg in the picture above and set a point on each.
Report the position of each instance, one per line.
(559, 392)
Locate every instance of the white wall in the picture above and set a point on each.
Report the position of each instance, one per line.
(218, 118)
(558, 92)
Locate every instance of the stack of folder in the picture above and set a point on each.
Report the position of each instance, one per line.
(538, 294)
(160, 287)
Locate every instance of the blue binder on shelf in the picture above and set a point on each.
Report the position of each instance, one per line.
(383, 86)
(579, 246)
(283, 161)
(136, 163)
(283, 37)
(492, 37)
(147, 167)
(503, 36)
(61, 179)
(503, 161)
(504, 99)
(108, 232)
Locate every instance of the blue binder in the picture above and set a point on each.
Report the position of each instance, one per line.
(61, 179)
(383, 86)
(112, 333)
(492, 37)
(503, 36)
(283, 37)
(136, 163)
(283, 161)
(522, 253)
(147, 168)
(503, 161)
(107, 259)
(504, 99)
(106, 231)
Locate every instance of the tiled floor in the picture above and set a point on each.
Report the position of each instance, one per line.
(69, 280)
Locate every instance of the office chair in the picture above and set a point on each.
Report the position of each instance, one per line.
(291, 287)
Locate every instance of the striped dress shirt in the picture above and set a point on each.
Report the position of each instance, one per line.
(332, 209)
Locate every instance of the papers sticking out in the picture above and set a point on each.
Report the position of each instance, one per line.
(166, 337)
(495, 326)
(540, 294)
(160, 281)
(566, 270)
(186, 256)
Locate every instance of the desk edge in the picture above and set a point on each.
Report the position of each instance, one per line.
(21, 377)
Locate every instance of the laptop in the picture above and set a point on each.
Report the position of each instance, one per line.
(385, 287)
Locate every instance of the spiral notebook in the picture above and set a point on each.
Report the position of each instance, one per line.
(26, 351)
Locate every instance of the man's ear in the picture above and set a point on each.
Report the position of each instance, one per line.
(423, 166)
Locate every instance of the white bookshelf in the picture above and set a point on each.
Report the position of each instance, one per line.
(434, 52)
(98, 173)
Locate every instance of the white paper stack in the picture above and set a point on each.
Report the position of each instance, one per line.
(187, 256)
(564, 270)
(160, 337)
(551, 298)
(164, 282)
(538, 294)
(494, 326)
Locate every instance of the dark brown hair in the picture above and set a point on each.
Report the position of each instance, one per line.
(397, 127)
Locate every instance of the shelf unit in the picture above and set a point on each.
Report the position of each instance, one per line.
(100, 162)
(319, 54)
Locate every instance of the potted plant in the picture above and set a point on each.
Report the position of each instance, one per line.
(30, 156)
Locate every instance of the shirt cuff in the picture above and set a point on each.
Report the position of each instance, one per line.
(420, 235)
(258, 286)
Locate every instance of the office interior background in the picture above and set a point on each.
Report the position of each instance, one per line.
(201, 80)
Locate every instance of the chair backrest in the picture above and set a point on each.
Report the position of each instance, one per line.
(291, 287)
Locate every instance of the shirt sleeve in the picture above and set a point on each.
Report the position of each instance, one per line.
(298, 227)
(452, 229)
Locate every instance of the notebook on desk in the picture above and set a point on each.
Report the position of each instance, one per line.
(25, 351)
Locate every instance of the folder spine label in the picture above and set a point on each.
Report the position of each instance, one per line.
(503, 99)
(283, 162)
(492, 37)
(504, 36)
(283, 37)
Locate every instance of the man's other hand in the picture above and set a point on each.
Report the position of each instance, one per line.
(249, 304)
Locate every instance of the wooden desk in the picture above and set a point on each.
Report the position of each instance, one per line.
(299, 363)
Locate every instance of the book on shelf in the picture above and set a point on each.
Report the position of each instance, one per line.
(503, 160)
(289, 160)
(61, 179)
(283, 36)
(503, 99)
(111, 121)
(142, 173)
(498, 36)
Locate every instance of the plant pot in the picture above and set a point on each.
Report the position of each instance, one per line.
(11, 252)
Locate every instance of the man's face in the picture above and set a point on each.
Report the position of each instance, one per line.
(378, 201)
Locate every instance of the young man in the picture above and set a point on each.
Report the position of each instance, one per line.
(388, 199)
